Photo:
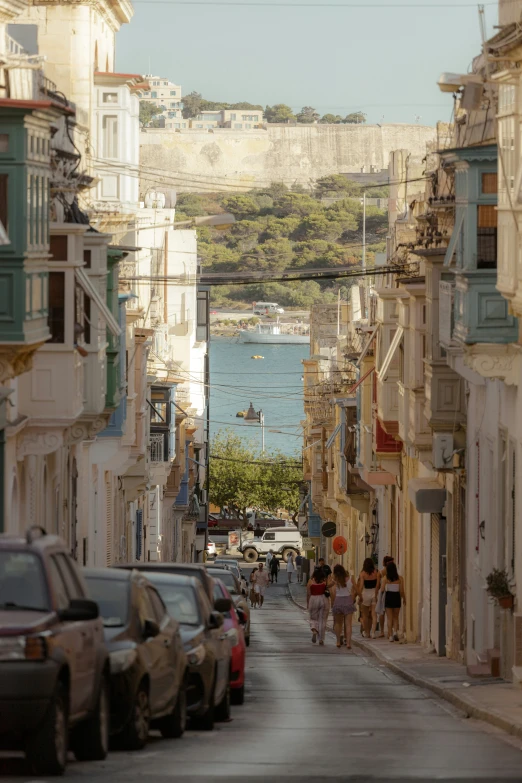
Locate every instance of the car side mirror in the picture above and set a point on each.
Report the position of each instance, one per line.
(241, 616)
(223, 605)
(216, 619)
(79, 610)
(150, 629)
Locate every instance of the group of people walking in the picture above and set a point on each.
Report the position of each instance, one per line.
(380, 595)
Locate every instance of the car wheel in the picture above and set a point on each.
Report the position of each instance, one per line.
(46, 749)
(90, 740)
(223, 708)
(250, 555)
(238, 695)
(174, 724)
(205, 722)
(136, 732)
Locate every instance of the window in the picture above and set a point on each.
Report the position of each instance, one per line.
(487, 237)
(58, 247)
(87, 258)
(56, 317)
(159, 414)
(233, 117)
(269, 537)
(87, 319)
(157, 605)
(248, 126)
(489, 183)
(173, 92)
(4, 142)
(154, 94)
(3, 201)
(173, 105)
(110, 137)
(59, 588)
(110, 97)
(202, 317)
(22, 579)
(69, 576)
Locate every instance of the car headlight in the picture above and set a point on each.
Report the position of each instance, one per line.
(121, 660)
(23, 648)
(196, 655)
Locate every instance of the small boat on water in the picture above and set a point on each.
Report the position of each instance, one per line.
(257, 357)
(277, 334)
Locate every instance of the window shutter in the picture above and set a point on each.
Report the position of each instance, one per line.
(109, 518)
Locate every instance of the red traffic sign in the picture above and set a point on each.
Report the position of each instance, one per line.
(340, 545)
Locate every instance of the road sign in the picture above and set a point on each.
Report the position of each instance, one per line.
(329, 529)
(340, 545)
(307, 544)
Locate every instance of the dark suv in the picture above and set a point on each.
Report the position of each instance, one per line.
(54, 666)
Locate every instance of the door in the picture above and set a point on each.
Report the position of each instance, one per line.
(438, 584)
(70, 638)
(167, 675)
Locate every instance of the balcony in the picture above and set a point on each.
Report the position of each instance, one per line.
(158, 447)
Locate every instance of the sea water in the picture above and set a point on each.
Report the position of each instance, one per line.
(273, 384)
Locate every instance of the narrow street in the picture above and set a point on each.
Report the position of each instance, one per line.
(313, 713)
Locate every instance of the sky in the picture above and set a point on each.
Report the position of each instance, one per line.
(384, 61)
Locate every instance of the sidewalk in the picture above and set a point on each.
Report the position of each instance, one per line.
(491, 700)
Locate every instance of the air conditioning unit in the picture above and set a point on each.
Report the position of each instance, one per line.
(443, 450)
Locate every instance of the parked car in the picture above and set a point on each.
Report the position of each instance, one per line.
(281, 540)
(54, 665)
(149, 668)
(196, 570)
(233, 565)
(239, 596)
(236, 637)
(206, 642)
(211, 549)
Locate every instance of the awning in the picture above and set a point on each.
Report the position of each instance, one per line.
(450, 252)
(84, 281)
(385, 367)
(427, 495)
(333, 436)
(367, 346)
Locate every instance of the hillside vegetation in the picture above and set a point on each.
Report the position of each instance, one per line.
(277, 228)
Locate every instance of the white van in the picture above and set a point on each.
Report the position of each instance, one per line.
(281, 540)
(267, 308)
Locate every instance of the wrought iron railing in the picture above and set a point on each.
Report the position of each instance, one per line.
(157, 447)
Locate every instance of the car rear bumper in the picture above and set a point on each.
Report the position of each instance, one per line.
(26, 689)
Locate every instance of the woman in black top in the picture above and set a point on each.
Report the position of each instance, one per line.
(368, 589)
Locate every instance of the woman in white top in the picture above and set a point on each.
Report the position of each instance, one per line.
(290, 566)
(394, 600)
(343, 592)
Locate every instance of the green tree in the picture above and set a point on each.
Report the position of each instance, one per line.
(279, 113)
(274, 228)
(296, 204)
(275, 254)
(147, 112)
(336, 184)
(190, 204)
(307, 114)
(331, 119)
(356, 118)
(241, 206)
(319, 227)
(192, 104)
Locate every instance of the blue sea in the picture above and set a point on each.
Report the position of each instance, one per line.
(272, 384)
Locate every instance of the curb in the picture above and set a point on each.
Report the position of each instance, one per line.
(470, 709)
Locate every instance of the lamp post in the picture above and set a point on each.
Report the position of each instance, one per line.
(253, 416)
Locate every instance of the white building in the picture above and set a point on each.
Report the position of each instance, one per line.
(167, 96)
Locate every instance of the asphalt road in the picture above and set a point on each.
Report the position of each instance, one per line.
(315, 713)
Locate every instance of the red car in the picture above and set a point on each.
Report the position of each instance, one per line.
(234, 630)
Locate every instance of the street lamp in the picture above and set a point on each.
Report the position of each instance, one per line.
(251, 417)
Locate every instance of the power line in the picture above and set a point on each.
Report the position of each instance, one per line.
(258, 462)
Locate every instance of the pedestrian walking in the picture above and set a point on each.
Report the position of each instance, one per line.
(323, 565)
(269, 556)
(299, 567)
(368, 589)
(344, 593)
(290, 567)
(274, 568)
(253, 594)
(318, 603)
(380, 609)
(394, 599)
(261, 582)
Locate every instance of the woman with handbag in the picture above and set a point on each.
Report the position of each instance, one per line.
(318, 603)
(343, 605)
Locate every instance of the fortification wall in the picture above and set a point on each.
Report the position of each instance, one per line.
(232, 160)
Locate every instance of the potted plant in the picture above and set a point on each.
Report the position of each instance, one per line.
(499, 589)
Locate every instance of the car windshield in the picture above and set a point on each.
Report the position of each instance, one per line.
(112, 597)
(228, 579)
(180, 601)
(22, 582)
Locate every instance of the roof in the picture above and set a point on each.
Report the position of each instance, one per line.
(166, 577)
(167, 567)
(15, 103)
(134, 80)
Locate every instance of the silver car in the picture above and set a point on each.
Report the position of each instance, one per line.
(233, 565)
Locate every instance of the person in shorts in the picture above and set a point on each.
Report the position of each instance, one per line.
(261, 582)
